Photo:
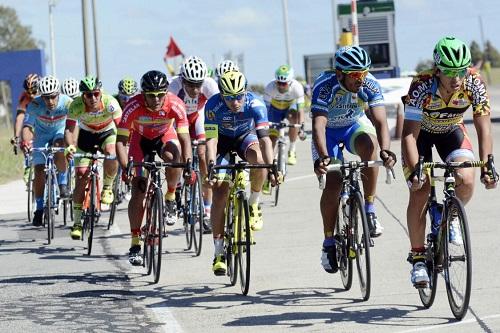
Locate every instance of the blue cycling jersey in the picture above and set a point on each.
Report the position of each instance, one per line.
(219, 119)
(43, 120)
(343, 108)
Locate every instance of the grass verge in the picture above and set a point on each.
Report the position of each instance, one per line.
(11, 166)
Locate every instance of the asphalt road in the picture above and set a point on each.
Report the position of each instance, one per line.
(57, 288)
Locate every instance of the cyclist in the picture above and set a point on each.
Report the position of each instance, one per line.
(44, 124)
(157, 122)
(225, 66)
(434, 108)
(235, 120)
(284, 98)
(127, 88)
(70, 88)
(339, 100)
(30, 85)
(194, 88)
(97, 115)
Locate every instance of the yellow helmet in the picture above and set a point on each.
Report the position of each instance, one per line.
(232, 83)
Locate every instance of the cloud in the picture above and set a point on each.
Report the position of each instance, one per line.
(238, 18)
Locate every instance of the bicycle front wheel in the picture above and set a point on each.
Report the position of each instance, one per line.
(341, 241)
(243, 241)
(230, 241)
(185, 197)
(457, 258)
(48, 210)
(156, 234)
(361, 243)
(197, 214)
(31, 194)
(117, 199)
(92, 213)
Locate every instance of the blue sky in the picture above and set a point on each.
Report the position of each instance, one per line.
(133, 34)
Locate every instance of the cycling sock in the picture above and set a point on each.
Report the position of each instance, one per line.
(369, 206)
(254, 198)
(329, 241)
(62, 178)
(39, 203)
(418, 254)
(136, 237)
(108, 181)
(207, 204)
(218, 246)
(170, 195)
(292, 147)
(77, 213)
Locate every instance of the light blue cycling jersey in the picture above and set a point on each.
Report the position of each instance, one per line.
(219, 119)
(343, 107)
(45, 121)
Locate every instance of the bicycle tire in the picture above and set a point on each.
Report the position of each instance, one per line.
(48, 207)
(92, 213)
(428, 294)
(341, 241)
(231, 249)
(361, 236)
(116, 201)
(31, 194)
(244, 242)
(281, 169)
(186, 215)
(146, 230)
(157, 225)
(457, 298)
(197, 214)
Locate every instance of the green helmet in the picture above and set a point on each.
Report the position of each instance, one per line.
(127, 86)
(90, 83)
(284, 73)
(451, 53)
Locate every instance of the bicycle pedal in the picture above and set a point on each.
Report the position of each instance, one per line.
(372, 242)
(352, 253)
(420, 285)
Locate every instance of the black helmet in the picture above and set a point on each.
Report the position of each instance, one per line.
(154, 81)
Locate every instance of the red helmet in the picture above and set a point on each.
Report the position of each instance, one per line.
(31, 82)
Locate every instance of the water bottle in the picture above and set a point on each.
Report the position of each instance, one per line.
(435, 212)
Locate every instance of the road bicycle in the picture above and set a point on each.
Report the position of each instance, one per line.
(51, 192)
(238, 236)
(191, 205)
(152, 232)
(91, 207)
(352, 229)
(67, 203)
(446, 254)
(281, 155)
(121, 192)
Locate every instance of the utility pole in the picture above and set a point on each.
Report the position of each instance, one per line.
(334, 26)
(287, 33)
(52, 4)
(354, 19)
(96, 44)
(86, 37)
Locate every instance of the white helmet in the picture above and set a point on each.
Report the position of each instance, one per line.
(70, 87)
(226, 66)
(193, 69)
(48, 85)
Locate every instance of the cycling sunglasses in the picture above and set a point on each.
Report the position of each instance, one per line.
(158, 94)
(230, 98)
(283, 84)
(124, 98)
(90, 94)
(192, 84)
(356, 75)
(454, 72)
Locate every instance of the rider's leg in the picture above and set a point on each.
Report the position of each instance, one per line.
(136, 207)
(171, 152)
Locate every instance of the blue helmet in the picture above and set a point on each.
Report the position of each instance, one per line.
(352, 58)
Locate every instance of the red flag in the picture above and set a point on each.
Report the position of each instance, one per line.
(172, 50)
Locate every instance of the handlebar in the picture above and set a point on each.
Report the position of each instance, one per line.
(241, 165)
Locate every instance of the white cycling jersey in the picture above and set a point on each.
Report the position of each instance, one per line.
(283, 101)
(197, 104)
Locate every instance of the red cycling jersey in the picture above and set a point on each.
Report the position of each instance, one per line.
(151, 124)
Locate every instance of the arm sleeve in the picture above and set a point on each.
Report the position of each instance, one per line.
(480, 98)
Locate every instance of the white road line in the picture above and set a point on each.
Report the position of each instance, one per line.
(440, 326)
(162, 313)
(299, 178)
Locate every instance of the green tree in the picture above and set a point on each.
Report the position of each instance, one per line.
(492, 54)
(424, 65)
(14, 35)
(476, 53)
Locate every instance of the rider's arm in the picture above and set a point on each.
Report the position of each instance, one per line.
(70, 133)
(19, 123)
(185, 141)
(319, 133)
(267, 149)
(121, 151)
(379, 119)
(411, 129)
(27, 134)
(484, 139)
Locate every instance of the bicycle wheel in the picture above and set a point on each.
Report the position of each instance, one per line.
(116, 201)
(31, 194)
(197, 214)
(92, 213)
(361, 242)
(229, 238)
(157, 233)
(243, 242)
(457, 260)
(148, 238)
(49, 218)
(428, 294)
(343, 260)
(185, 196)
(281, 169)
